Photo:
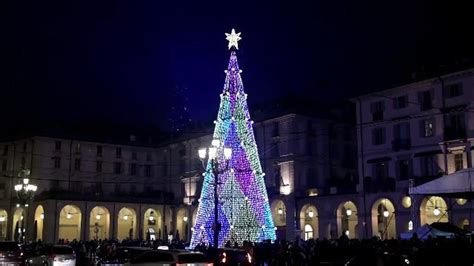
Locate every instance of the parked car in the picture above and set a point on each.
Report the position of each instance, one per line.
(121, 256)
(170, 257)
(57, 255)
(11, 253)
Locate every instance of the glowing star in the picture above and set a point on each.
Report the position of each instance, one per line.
(233, 39)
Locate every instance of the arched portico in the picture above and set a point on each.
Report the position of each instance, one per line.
(309, 222)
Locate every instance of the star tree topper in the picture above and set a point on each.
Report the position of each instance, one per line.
(233, 39)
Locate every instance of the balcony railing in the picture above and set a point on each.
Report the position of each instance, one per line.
(401, 144)
(154, 196)
(377, 116)
(424, 106)
(451, 133)
(381, 185)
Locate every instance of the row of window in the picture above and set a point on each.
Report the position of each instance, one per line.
(5, 164)
(118, 167)
(78, 186)
(402, 131)
(309, 130)
(425, 100)
(6, 148)
(404, 169)
(454, 126)
(99, 150)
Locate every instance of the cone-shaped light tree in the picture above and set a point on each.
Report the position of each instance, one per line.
(243, 211)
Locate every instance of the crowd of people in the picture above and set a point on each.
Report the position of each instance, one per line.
(456, 251)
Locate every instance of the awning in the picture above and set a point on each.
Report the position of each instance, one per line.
(458, 184)
(445, 230)
(379, 160)
(428, 153)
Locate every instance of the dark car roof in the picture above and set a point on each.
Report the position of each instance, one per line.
(232, 249)
(133, 247)
(8, 245)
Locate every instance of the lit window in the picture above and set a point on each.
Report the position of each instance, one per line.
(428, 128)
(458, 161)
(308, 232)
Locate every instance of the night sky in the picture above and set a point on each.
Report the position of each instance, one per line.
(119, 61)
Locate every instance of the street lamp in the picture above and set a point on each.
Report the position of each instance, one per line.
(25, 193)
(24, 190)
(348, 212)
(215, 169)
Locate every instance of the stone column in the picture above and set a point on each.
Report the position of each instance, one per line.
(291, 218)
(50, 222)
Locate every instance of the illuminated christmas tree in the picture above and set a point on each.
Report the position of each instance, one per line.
(243, 208)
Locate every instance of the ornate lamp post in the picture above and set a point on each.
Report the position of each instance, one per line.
(215, 169)
(24, 190)
(25, 193)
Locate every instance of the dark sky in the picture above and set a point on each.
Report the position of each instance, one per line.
(120, 60)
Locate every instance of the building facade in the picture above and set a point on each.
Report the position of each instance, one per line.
(96, 190)
(88, 190)
(410, 135)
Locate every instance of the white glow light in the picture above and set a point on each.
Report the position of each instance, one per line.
(227, 153)
(216, 143)
(233, 39)
(348, 212)
(212, 152)
(202, 153)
